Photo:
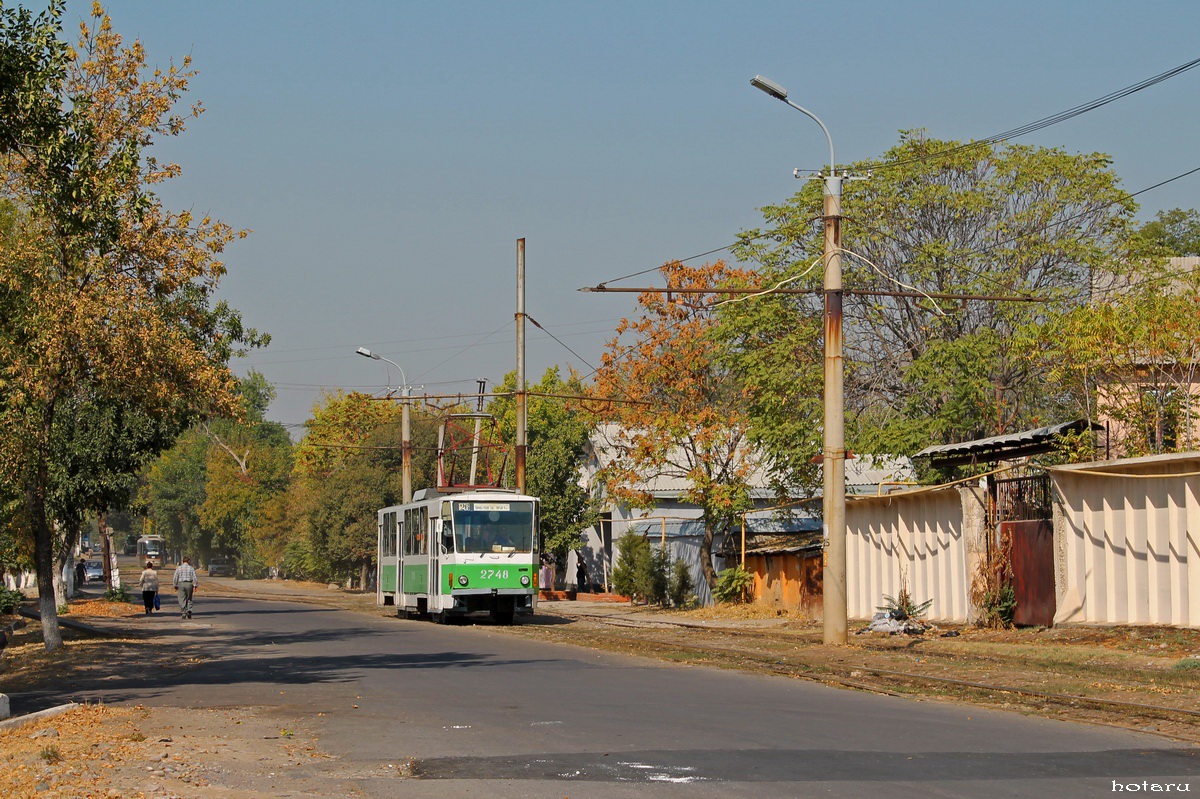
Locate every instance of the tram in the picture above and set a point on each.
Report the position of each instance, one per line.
(450, 553)
(150, 547)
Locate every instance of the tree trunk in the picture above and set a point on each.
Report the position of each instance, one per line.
(43, 555)
(61, 579)
(105, 550)
(362, 577)
(706, 567)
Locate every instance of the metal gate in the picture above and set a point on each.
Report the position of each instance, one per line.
(1022, 518)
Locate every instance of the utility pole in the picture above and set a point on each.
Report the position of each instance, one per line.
(406, 446)
(522, 398)
(482, 384)
(833, 457)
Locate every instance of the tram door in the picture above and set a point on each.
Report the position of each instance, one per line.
(389, 560)
(435, 562)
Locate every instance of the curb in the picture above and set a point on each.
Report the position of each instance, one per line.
(21, 721)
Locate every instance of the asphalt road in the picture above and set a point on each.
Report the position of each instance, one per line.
(487, 714)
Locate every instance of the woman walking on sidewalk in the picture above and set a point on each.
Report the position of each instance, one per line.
(149, 583)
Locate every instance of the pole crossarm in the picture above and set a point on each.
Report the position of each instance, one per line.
(850, 292)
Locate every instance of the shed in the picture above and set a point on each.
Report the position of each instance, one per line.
(786, 567)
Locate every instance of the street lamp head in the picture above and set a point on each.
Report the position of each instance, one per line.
(769, 86)
(366, 353)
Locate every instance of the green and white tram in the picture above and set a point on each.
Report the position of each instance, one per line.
(449, 554)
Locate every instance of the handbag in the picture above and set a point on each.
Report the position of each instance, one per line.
(156, 605)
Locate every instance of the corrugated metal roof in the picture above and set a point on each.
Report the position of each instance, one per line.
(1026, 442)
(863, 473)
(1130, 464)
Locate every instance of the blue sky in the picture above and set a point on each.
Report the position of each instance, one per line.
(388, 155)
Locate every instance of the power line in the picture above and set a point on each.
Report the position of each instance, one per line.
(1045, 122)
(556, 338)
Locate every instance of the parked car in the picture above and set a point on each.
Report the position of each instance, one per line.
(221, 566)
(93, 570)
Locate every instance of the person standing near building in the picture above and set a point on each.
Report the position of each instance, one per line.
(149, 583)
(185, 581)
(581, 575)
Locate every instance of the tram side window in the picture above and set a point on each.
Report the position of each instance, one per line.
(389, 535)
(409, 527)
(423, 533)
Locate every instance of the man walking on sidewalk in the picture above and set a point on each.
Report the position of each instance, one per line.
(185, 581)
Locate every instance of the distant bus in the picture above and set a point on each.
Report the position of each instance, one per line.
(150, 547)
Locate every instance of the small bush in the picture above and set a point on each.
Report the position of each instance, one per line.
(118, 594)
(681, 587)
(902, 606)
(999, 607)
(10, 600)
(641, 571)
(1189, 663)
(734, 585)
(631, 551)
(50, 754)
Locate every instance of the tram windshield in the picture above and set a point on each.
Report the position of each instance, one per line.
(493, 526)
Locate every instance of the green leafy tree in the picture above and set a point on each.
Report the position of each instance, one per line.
(557, 440)
(248, 464)
(174, 491)
(346, 469)
(1131, 358)
(1175, 232)
(934, 217)
(106, 294)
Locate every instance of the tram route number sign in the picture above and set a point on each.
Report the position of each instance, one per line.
(483, 506)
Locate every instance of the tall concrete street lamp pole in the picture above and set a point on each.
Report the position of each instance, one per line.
(833, 458)
(405, 425)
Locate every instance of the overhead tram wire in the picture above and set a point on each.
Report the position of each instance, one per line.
(1044, 122)
(1017, 238)
(684, 260)
(602, 287)
(538, 325)
(1021, 130)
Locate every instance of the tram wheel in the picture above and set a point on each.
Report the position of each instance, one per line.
(441, 617)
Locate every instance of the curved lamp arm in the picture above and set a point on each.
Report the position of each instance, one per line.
(779, 93)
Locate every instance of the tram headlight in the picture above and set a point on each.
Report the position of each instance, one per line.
(525, 580)
(462, 579)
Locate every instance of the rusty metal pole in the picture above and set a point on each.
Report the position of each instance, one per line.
(406, 446)
(834, 453)
(521, 395)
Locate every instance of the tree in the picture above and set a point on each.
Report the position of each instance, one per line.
(680, 412)
(210, 491)
(557, 438)
(107, 294)
(346, 469)
(1175, 232)
(935, 217)
(174, 491)
(1132, 357)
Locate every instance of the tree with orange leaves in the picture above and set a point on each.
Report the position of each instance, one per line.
(105, 296)
(683, 414)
